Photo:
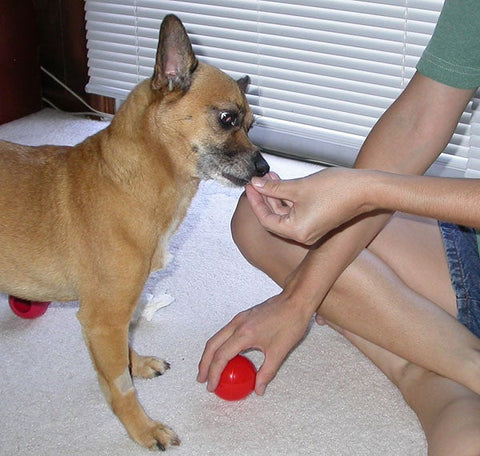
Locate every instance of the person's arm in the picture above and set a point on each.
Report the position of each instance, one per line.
(306, 209)
(446, 199)
(406, 140)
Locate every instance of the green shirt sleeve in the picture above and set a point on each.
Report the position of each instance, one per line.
(452, 56)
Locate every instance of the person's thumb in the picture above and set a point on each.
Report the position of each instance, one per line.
(268, 186)
(266, 374)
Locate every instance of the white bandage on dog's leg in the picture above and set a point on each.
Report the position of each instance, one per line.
(124, 382)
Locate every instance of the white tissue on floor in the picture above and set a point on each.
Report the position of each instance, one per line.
(151, 303)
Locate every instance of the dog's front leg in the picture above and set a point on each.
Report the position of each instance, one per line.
(146, 366)
(105, 328)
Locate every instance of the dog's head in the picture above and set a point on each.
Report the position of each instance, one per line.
(207, 108)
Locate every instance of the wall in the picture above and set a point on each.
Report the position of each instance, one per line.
(47, 33)
(63, 52)
(19, 60)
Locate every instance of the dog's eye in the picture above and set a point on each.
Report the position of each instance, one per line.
(228, 119)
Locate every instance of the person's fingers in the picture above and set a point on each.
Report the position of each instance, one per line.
(219, 361)
(320, 320)
(219, 350)
(211, 348)
(279, 206)
(263, 211)
(260, 181)
(270, 185)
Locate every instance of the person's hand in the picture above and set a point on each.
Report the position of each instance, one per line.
(273, 327)
(306, 209)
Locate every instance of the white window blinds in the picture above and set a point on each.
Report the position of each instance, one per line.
(322, 71)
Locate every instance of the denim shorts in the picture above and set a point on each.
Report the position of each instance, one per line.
(463, 260)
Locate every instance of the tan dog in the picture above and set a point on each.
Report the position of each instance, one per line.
(91, 222)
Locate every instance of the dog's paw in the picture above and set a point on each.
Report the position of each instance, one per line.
(158, 437)
(147, 366)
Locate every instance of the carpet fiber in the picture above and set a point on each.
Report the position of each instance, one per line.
(327, 399)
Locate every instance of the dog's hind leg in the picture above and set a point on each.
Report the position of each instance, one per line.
(105, 327)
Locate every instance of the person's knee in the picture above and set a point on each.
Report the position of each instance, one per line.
(244, 227)
(273, 255)
(237, 222)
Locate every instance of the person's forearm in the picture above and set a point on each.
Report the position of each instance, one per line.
(310, 282)
(450, 200)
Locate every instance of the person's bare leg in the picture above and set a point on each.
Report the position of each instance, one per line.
(448, 412)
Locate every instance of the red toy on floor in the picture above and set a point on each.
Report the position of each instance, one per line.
(27, 309)
(237, 380)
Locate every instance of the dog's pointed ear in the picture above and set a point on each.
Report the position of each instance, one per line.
(175, 60)
(243, 83)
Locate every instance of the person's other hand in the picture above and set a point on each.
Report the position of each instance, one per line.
(273, 327)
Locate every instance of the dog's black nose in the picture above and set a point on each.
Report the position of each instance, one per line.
(261, 166)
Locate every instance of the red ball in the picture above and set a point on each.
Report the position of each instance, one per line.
(27, 309)
(237, 380)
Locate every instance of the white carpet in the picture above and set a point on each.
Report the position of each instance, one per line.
(326, 400)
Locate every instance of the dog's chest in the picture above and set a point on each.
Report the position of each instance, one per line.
(162, 256)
